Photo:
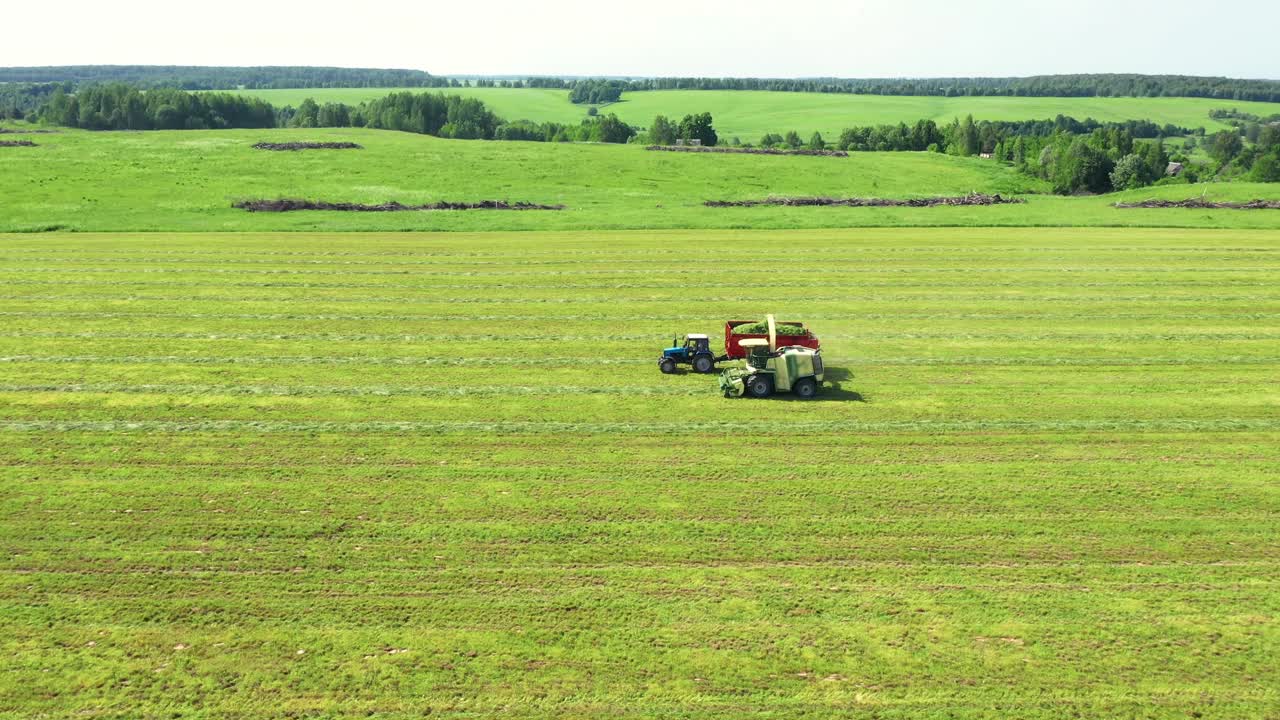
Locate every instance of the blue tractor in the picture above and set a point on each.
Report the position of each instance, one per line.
(695, 351)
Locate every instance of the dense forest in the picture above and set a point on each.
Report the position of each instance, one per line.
(124, 107)
(1036, 86)
(195, 77)
(18, 100)
(596, 92)
(987, 135)
(582, 90)
(604, 90)
(1073, 156)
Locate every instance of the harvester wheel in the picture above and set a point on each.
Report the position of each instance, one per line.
(760, 386)
(667, 366)
(703, 364)
(805, 388)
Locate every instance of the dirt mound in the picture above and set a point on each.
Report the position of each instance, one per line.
(746, 151)
(973, 199)
(309, 146)
(16, 143)
(1202, 204)
(289, 205)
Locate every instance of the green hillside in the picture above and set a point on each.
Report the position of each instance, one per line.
(750, 114)
(187, 180)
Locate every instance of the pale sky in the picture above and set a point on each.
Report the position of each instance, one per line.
(744, 38)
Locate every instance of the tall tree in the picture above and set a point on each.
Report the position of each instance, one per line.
(613, 130)
(698, 127)
(308, 114)
(1226, 146)
(662, 131)
(968, 137)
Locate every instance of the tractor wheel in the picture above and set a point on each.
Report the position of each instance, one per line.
(703, 364)
(805, 388)
(760, 386)
(667, 366)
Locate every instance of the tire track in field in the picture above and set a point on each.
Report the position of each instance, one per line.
(516, 285)
(677, 428)
(823, 269)
(764, 300)
(365, 391)
(634, 337)
(277, 390)
(610, 254)
(636, 318)
(585, 361)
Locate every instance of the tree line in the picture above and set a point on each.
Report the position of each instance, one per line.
(1072, 155)
(197, 77)
(450, 116)
(1089, 85)
(1250, 126)
(1257, 160)
(1092, 85)
(194, 77)
(20, 100)
(123, 107)
(1103, 161)
(596, 91)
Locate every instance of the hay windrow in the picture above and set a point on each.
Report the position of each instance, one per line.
(747, 151)
(290, 205)
(308, 146)
(13, 131)
(17, 143)
(973, 199)
(1202, 204)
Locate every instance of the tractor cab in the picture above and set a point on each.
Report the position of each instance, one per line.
(695, 351)
(695, 343)
(757, 352)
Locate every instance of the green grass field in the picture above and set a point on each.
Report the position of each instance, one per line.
(400, 475)
(187, 180)
(750, 114)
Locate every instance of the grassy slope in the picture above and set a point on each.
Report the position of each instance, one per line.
(344, 474)
(186, 180)
(751, 114)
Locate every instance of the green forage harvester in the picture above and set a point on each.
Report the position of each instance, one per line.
(769, 369)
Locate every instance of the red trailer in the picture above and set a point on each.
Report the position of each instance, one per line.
(735, 351)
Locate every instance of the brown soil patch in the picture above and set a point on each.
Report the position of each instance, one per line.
(973, 199)
(309, 146)
(746, 151)
(1202, 204)
(290, 205)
